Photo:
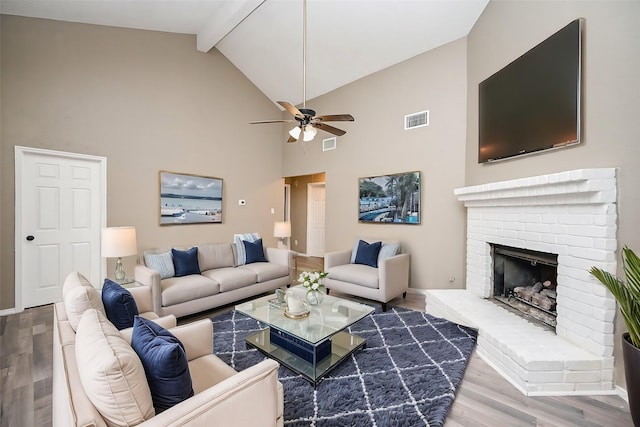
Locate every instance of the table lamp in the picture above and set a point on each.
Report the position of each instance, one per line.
(119, 242)
(282, 230)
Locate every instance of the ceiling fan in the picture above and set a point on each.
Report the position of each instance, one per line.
(308, 122)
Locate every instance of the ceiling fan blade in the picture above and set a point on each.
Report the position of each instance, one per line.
(292, 109)
(335, 118)
(327, 128)
(292, 139)
(271, 121)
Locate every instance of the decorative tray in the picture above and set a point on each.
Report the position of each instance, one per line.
(299, 315)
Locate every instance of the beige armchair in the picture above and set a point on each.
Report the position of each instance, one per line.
(389, 280)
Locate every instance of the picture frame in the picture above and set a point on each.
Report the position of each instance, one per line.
(189, 199)
(390, 199)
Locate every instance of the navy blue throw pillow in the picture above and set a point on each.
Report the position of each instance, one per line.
(119, 305)
(165, 363)
(367, 254)
(185, 262)
(254, 250)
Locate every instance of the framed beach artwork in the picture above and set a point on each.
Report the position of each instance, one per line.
(189, 199)
(390, 199)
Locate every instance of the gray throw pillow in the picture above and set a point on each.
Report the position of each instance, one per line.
(160, 262)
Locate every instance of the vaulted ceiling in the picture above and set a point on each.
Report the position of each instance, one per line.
(346, 39)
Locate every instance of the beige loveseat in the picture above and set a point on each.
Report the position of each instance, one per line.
(220, 282)
(222, 395)
(389, 280)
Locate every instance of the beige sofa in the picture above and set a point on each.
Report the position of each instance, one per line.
(222, 395)
(384, 283)
(220, 282)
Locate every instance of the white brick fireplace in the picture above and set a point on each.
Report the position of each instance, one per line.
(571, 214)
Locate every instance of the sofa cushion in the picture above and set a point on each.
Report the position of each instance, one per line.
(215, 256)
(176, 290)
(367, 253)
(162, 262)
(387, 251)
(78, 300)
(238, 239)
(185, 262)
(119, 305)
(231, 278)
(164, 361)
(254, 251)
(265, 271)
(358, 274)
(111, 372)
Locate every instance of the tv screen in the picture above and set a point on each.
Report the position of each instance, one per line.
(533, 103)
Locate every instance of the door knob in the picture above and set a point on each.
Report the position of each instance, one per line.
(30, 238)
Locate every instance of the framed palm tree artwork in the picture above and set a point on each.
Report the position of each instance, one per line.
(390, 199)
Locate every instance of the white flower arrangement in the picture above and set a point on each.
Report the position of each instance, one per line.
(311, 279)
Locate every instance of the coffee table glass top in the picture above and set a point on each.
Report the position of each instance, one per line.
(325, 320)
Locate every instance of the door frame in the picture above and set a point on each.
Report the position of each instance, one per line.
(309, 201)
(20, 153)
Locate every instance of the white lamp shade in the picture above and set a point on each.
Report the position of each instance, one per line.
(295, 132)
(119, 242)
(309, 133)
(282, 229)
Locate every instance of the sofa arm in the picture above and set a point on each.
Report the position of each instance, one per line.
(151, 278)
(197, 338)
(279, 256)
(166, 322)
(250, 398)
(394, 276)
(143, 297)
(333, 259)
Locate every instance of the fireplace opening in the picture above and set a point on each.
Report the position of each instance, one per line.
(526, 281)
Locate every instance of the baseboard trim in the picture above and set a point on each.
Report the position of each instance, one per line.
(622, 393)
(8, 311)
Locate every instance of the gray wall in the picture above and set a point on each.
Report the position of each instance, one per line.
(377, 144)
(148, 101)
(611, 97)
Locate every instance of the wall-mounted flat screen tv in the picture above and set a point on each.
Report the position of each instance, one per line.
(533, 103)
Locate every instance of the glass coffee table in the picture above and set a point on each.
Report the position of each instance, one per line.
(310, 346)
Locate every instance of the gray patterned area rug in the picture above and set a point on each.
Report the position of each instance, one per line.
(406, 376)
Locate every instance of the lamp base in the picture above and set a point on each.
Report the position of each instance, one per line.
(119, 273)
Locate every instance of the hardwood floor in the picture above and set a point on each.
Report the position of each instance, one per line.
(483, 399)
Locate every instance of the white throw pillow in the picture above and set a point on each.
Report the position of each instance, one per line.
(80, 299)
(111, 372)
(74, 280)
(161, 262)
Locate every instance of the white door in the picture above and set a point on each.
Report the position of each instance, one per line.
(60, 210)
(315, 219)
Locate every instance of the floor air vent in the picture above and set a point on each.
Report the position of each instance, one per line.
(416, 120)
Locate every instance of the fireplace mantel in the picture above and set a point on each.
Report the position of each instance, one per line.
(565, 188)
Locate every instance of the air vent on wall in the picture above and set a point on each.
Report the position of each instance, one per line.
(329, 144)
(416, 120)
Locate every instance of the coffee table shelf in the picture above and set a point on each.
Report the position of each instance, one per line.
(342, 346)
(324, 326)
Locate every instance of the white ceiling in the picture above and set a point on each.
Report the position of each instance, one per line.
(346, 39)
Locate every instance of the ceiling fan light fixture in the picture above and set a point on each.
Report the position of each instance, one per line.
(309, 133)
(295, 132)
